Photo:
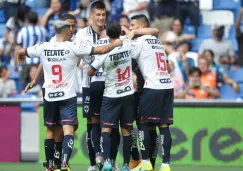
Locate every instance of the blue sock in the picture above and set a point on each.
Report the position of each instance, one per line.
(166, 141)
(96, 131)
(144, 141)
(67, 145)
(90, 146)
(115, 142)
(135, 153)
(127, 145)
(58, 155)
(105, 145)
(153, 147)
(49, 151)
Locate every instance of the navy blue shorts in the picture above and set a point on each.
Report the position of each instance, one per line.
(86, 102)
(137, 96)
(96, 96)
(156, 106)
(62, 112)
(114, 110)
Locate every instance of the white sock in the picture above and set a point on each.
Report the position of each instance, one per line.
(164, 165)
(145, 162)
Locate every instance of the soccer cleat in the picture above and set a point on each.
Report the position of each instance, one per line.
(143, 167)
(116, 168)
(165, 168)
(92, 168)
(125, 168)
(134, 163)
(49, 169)
(99, 161)
(57, 170)
(65, 167)
(107, 165)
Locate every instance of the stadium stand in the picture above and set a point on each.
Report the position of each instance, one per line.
(2, 16)
(2, 28)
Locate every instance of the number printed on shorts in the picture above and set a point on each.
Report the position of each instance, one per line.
(57, 70)
(123, 75)
(161, 64)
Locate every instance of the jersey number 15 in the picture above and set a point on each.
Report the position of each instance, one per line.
(161, 64)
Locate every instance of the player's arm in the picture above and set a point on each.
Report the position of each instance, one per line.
(96, 65)
(107, 48)
(139, 32)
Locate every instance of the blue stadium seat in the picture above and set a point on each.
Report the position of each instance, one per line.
(227, 92)
(41, 11)
(2, 16)
(226, 4)
(2, 29)
(26, 107)
(31, 4)
(204, 32)
(236, 75)
(232, 33)
(196, 43)
(235, 44)
(14, 75)
(189, 29)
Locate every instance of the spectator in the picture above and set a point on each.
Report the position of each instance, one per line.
(175, 35)
(7, 86)
(116, 10)
(178, 82)
(11, 7)
(222, 49)
(31, 75)
(195, 89)
(164, 15)
(29, 36)
(239, 36)
(135, 7)
(82, 23)
(52, 14)
(124, 21)
(222, 76)
(182, 64)
(188, 8)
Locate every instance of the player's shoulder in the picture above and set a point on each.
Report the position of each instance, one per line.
(102, 41)
(87, 31)
(53, 39)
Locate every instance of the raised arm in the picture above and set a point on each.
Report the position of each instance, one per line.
(237, 23)
(107, 48)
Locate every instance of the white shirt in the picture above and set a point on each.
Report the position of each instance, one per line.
(88, 36)
(59, 61)
(117, 68)
(132, 4)
(151, 58)
(99, 74)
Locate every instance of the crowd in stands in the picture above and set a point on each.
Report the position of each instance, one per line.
(206, 58)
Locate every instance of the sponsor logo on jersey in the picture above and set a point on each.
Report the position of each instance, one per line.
(56, 59)
(56, 94)
(153, 41)
(165, 80)
(62, 85)
(126, 89)
(99, 74)
(118, 56)
(60, 52)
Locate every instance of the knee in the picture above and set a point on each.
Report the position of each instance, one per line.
(68, 129)
(95, 120)
(126, 132)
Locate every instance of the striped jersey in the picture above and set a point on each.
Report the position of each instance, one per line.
(87, 36)
(29, 36)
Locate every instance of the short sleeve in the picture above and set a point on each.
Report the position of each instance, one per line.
(136, 48)
(35, 51)
(98, 62)
(231, 50)
(20, 38)
(81, 49)
(10, 23)
(202, 48)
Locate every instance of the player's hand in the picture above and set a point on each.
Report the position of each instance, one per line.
(21, 56)
(131, 35)
(118, 42)
(29, 86)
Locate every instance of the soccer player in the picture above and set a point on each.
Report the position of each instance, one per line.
(156, 101)
(93, 88)
(118, 99)
(59, 61)
(58, 131)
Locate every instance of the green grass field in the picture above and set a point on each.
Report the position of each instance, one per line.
(38, 167)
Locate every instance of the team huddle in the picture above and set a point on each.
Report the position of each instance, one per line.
(125, 79)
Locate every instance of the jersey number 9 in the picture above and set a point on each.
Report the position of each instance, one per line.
(57, 70)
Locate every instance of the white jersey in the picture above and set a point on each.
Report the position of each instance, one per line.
(151, 58)
(59, 61)
(88, 36)
(99, 74)
(117, 70)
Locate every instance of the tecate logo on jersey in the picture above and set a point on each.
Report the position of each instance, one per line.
(56, 59)
(56, 94)
(61, 52)
(126, 89)
(165, 80)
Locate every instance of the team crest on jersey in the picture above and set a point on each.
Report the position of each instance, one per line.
(86, 108)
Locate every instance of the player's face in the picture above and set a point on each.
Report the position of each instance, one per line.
(98, 17)
(124, 22)
(194, 78)
(203, 65)
(135, 25)
(72, 25)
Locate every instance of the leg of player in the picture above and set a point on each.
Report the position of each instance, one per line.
(49, 148)
(105, 143)
(154, 146)
(90, 146)
(58, 148)
(166, 141)
(115, 142)
(127, 144)
(135, 154)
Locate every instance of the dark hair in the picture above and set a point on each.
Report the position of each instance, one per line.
(113, 29)
(98, 5)
(32, 17)
(180, 23)
(184, 42)
(125, 16)
(67, 16)
(142, 18)
(209, 51)
(194, 70)
(2, 68)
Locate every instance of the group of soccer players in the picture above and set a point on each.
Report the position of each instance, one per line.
(123, 80)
